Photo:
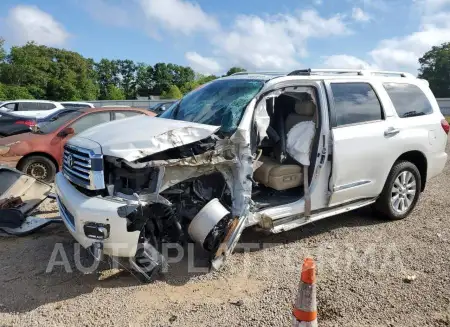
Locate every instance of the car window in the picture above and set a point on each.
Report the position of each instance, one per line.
(408, 99)
(90, 120)
(52, 125)
(355, 103)
(47, 106)
(125, 114)
(10, 106)
(29, 106)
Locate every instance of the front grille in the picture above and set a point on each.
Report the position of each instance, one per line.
(66, 215)
(83, 167)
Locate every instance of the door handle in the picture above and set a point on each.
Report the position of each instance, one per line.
(391, 131)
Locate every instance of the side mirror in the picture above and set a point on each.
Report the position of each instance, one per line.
(66, 131)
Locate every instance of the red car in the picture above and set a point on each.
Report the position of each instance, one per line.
(39, 153)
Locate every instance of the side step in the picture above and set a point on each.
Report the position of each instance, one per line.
(291, 222)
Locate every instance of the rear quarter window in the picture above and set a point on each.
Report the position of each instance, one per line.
(408, 99)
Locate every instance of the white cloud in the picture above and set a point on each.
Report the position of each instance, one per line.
(28, 23)
(202, 64)
(360, 15)
(180, 16)
(432, 5)
(402, 53)
(274, 42)
(346, 61)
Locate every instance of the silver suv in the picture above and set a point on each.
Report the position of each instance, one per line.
(268, 149)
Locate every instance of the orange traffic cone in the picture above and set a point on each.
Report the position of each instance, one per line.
(305, 306)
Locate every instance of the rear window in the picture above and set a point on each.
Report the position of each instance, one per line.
(408, 99)
(46, 106)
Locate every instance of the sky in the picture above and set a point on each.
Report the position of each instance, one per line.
(212, 35)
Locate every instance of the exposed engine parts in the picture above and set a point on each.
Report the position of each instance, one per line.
(196, 210)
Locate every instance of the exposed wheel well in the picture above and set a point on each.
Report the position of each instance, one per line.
(418, 159)
(42, 154)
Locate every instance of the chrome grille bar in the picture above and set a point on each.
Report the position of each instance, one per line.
(83, 167)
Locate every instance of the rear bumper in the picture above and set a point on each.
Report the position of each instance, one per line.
(436, 164)
(77, 209)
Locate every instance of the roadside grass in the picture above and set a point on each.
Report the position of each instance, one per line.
(448, 118)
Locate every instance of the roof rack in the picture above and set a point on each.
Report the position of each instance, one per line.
(359, 72)
(259, 73)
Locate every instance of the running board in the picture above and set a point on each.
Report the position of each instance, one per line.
(291, 222)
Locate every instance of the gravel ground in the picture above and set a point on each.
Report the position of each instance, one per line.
(370, 273)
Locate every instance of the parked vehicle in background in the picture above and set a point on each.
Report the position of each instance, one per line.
(174, 104)
(13, 124)
(75, 104)
(31, 108)
(161, 107)
(268, 149)
(39, 153)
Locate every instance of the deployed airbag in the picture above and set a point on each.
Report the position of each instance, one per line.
(299, 140)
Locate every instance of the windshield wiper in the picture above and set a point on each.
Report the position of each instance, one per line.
(412, 114)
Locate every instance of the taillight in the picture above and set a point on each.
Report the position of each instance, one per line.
(29, 123)
(445, 126)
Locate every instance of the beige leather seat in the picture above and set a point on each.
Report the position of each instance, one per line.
(278, 176)
(304, 111)
(281, 176)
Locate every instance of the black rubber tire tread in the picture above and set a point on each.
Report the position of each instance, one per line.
(383, 203)
(43, 160)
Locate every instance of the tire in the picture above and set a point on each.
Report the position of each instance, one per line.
(403, 180)
(39, 167)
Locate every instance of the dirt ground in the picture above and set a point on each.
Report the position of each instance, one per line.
(371, 272)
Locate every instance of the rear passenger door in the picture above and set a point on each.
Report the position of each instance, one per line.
(360, 140)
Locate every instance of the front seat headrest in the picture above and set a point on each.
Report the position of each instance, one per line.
(305, 108)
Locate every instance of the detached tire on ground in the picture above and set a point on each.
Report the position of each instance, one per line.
(39, 167)
(401, 191)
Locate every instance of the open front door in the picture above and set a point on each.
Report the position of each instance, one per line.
(361, 139)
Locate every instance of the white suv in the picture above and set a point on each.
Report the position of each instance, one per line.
(273, 150)
(31, 108)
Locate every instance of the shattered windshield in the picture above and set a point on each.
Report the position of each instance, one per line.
(220, 103)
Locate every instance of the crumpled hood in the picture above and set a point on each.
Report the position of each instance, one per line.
(140, 136)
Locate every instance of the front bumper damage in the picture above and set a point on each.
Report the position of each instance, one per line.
(78, 210)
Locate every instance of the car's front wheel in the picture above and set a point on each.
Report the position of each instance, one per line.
(401, 191)
(39, 167)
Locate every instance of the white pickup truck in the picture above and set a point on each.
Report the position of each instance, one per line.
(273, 150)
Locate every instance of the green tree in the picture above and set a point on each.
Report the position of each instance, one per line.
(435, 67)
(173, 93)
(107, 74)
(50, 73)
(234, 70)
(2, 92)
(2, 50)
(114, 93)
(127, 69)
(14, 92)
(144, 79)
(162, 78)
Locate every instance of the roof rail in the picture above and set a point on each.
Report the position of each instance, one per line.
(259, 73)
(359, 72)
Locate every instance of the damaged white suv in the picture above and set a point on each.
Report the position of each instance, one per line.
(273, 150)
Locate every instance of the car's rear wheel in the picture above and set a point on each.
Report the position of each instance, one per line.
(39, 167)
(401, 191)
